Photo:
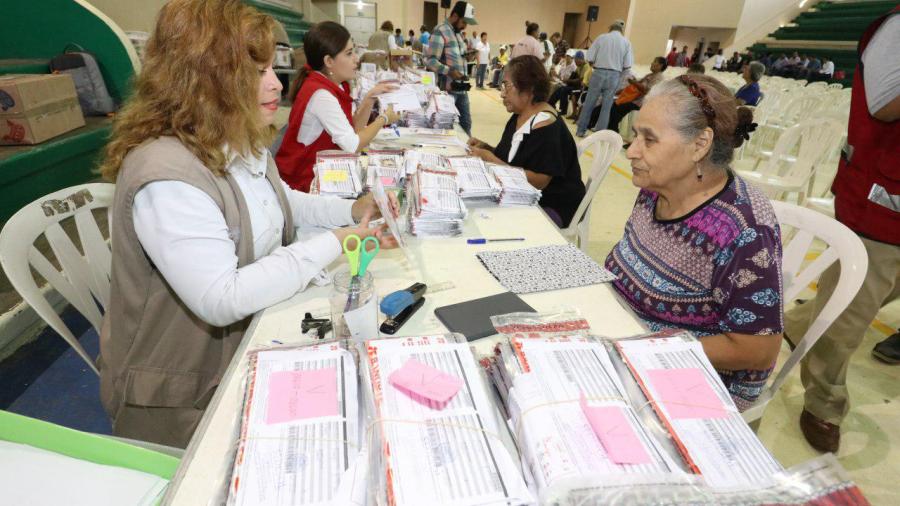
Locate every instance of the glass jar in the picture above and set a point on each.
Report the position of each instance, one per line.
(354, 315)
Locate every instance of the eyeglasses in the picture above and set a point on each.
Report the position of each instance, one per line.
(506, 86)
(702, 96)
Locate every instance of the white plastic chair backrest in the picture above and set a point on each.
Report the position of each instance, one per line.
(800, 108)
(835, 86)
(842, 245)
(604, 146)
(811, 141)
(83, 280)
(817, 84)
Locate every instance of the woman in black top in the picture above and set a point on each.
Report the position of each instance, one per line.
(538, 139)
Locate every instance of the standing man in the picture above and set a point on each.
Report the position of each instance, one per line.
(867, 200)
(529, 44)
(425, 36)
(484, 58)
(447, 59)
(683, 59)
(610, 54)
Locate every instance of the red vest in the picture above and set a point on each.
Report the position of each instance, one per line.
(872, 157)
(295, 160)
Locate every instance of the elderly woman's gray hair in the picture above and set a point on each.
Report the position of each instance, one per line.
(757, 70)
(689, 119)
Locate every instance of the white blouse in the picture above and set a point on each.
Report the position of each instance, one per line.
(524, 130)
(184, 234)
(324, 113)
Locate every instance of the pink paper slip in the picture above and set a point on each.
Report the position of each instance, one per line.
(295, 395)
(615, 433)
(686, 393)
(387, 180)
(425, 384)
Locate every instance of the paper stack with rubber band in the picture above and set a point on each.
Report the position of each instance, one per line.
(437, 435)
(387, 166)
(476, 182)
(515, 190)
(338, 174)
(435, 207)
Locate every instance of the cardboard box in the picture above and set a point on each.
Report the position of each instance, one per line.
(37, 107)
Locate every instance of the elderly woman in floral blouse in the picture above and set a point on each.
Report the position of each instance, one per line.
(702, 250)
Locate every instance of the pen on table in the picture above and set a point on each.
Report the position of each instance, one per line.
(483, 241)
(396, 130)
(429, 146)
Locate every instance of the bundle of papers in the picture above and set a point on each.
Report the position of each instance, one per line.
(446, 141)
(338, 175)
(571, 415)
(435, 208)
(300, 433)
(448, 452)
(406, 98)
(514, 187)
(417, 159)
(387, 167)
(442, 111)
(688, 395)
(476, 182)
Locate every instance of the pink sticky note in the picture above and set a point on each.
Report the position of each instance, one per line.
(295, 395)
(615, 433)
(686, 393)
(425, 384)
(387, 180)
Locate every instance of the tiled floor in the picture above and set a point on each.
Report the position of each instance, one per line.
(870, 448)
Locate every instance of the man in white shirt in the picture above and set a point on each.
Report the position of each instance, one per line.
(483, 59)
(610, 54)
(719, 61)
(549, 50)
(825, 72)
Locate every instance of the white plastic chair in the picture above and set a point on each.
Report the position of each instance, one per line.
(798, 152)
(605, 144)
(83, 280)
(842, 245)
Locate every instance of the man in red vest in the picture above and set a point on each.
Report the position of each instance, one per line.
(867, 200)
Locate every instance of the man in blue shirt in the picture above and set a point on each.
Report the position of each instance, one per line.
(423, 38)
(610, 55)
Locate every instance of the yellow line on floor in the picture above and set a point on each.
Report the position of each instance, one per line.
(615, 169)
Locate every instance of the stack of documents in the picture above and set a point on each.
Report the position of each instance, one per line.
(451, 453)
(387, 167)
(476, 182)
(418, 159)
(435, 208)
(404, 99)
(442, 109)
(688, 395)
(338, 175)
(514, 187)
(571, 415)
(300, 433)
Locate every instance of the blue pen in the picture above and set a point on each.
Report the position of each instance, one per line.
(396, 130)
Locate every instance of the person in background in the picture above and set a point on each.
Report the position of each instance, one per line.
(204, 231)
(537, 140)
(572, 84)
(447, 58)
(767, 61)
(562, 46)
(610, 55)
(411, 36)
(322, 116)
(701, 250)
(683, 59)
(643, 86)
(498, 63)
(578, 95)
(424, 35)
(672, 58)
(749, 93)
(549, 51)
(383, 39)
(484, 58)
(719, 61)
(815, 64)
(734, 63)
(825, 73)
(398, 38)
(696, 68)
(869, 166)
(529, 44)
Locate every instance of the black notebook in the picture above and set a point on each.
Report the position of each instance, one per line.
(473, 318)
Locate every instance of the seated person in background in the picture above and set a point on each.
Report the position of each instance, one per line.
(537, 140)
(749, 93)
(734, 63)
(812, 68)
(642, 87)
(579, 99)
(572, 83)
(204, 236)
(702, 249)
(497, 65)
(825, 72)
(696, 68)
(322, 116)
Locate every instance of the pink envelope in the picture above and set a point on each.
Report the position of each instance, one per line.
(296, 395)
(425, 384)
(686, 393)
(612, 428)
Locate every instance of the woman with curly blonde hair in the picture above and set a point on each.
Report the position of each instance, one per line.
(203, 235)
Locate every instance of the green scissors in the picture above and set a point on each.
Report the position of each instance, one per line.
(357, 256)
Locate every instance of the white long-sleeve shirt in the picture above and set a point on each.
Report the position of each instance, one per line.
(324, 113)
(184, 234)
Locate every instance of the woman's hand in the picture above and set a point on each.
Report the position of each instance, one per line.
(381, 88)
(362, 230)
(486, 155)
(392, 116)
(366, 204)
(477, 143)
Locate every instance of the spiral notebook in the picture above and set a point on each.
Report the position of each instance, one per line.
(544, 268)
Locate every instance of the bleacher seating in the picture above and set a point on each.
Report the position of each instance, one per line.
(831, 29)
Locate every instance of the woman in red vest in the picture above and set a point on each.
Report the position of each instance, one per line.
(322, 116)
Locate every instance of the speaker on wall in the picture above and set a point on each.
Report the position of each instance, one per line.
(593, 12)
(445, 4)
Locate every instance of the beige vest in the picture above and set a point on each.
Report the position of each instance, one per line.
(159, 363)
